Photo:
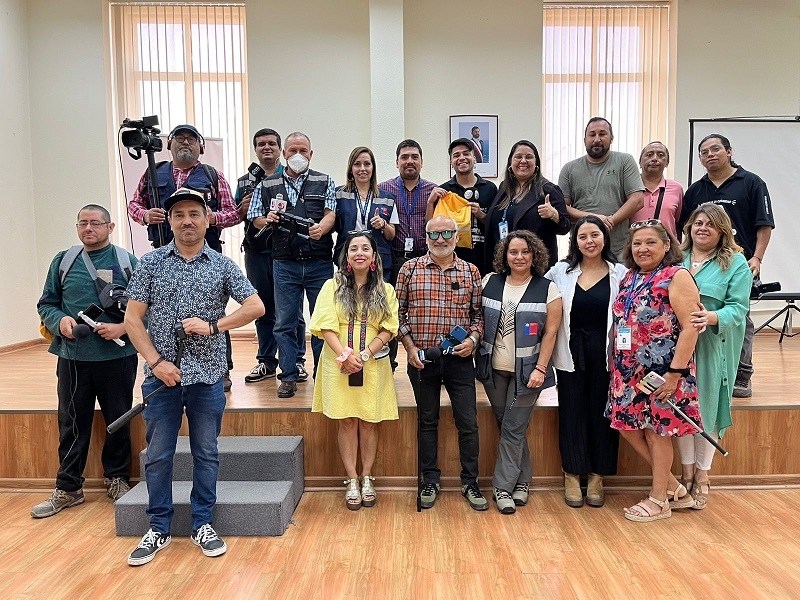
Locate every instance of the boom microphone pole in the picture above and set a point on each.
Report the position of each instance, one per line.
(180, 338)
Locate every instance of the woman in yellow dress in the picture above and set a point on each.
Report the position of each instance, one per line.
(356, 315)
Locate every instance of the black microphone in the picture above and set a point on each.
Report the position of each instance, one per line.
(81, 331)
(434, 353)
(454, 286)
(256, 171)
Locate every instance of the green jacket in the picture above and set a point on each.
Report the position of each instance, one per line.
(77, 293)
(718, 347)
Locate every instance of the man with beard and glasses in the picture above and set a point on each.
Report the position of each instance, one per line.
(603, 183)
(437, 292)
(185, 170)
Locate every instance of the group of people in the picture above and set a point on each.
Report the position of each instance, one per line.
(500, 309)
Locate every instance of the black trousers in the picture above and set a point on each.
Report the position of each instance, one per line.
(110, 382)
(458, 376)
(587, 442)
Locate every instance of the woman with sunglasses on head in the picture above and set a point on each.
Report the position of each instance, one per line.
(362, 206)
(526, 200)
(522, 313)
(589, 281)
(356, 315)
(725, 279)
(654, 341)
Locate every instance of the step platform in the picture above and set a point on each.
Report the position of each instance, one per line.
(259, 485)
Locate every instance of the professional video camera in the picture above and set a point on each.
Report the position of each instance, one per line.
(294, 225)
(141, 135)
(759, 289)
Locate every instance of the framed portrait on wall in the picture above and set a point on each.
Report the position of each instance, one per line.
(481, 130)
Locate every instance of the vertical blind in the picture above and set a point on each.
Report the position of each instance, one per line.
(608, 61)
(186, 63)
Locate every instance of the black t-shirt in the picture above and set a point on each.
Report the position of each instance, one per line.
(745, 198)
(483, 192)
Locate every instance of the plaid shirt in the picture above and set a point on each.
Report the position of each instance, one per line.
(412, 225)
(432, 301)
(226, 215)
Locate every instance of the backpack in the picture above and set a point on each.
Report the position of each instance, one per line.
(111, 295)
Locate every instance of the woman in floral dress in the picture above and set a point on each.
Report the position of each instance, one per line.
(653, 333)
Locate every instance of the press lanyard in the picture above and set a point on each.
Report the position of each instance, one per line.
(632, 293)
(409, 210)
(351, 326)
(363, 208)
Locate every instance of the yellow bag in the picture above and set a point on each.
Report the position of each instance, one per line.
(46, 333)
(457, 208)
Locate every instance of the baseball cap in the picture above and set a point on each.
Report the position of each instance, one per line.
(190, 128)
(183, 194)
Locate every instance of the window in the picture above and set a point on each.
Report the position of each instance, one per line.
(608, 61)
(185, 63)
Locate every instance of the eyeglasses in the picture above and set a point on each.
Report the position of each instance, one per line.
(714, 149)
(190, 139)
(446, 234)
(646, 223)
(94, 224)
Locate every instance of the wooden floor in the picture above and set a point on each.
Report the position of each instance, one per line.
(743, 546)
(28, 380)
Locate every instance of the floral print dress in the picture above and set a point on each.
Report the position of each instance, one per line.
(654, 335)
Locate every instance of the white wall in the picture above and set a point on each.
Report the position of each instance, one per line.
(18, 290)
(311, 70)
(734, 58)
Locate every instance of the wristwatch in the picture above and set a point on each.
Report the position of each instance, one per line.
(365, 355)
(474, 340)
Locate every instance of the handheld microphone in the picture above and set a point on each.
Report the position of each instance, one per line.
(81, 331)
(430, 354)
(256, 171)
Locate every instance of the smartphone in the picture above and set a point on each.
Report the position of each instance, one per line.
(356, 379)
(650, 382)
(93, 312)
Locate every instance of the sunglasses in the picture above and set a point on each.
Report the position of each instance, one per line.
(446, 234)
(646, 223)
(359, 232)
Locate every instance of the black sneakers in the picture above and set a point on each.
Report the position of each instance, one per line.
(151, 543)
(259, 373)
(209, 541)
(302, 374)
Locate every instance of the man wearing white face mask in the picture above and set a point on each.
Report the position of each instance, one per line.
(300, 262)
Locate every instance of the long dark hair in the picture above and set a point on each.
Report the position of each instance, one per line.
(726, 143)
(348, 296)
(575, 256)
(536, 183)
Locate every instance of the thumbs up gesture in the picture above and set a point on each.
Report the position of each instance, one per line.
(547, 210)
(376, 221)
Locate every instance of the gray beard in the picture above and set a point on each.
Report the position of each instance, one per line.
(184, 155)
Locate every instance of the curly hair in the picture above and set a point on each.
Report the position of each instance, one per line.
(373, 293)
(541, 257)
(727, 246)
(673, 256)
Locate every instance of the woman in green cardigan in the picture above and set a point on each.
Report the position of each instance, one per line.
(724, 279)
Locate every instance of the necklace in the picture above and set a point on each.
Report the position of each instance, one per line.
(701, 260)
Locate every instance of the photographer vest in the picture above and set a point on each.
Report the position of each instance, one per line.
(202, 177)
(247, 183)
(310, 204)
(347, 216)
(531, 309)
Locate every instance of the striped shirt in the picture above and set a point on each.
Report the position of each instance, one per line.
(433, 300)
(412, 222)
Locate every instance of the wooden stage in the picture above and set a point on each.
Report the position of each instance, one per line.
(762, 451)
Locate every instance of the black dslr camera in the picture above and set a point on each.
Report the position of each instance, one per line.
(142, 135)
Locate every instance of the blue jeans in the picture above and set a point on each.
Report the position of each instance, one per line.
(291, 278)
(259, 272)
(204, 405)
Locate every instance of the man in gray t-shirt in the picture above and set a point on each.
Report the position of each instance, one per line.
(603, 183)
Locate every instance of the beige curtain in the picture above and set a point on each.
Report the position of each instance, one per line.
(186, 63)
(609, 61)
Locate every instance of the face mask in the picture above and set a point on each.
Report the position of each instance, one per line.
(298, 163)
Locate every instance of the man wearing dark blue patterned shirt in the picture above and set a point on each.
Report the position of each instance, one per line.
(184, 283)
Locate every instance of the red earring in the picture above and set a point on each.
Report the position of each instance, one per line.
(372, 266)
(349, 268)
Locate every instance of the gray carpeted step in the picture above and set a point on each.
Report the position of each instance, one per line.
(243, 508)
(246, 458)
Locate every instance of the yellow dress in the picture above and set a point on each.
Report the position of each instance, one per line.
(376, 400)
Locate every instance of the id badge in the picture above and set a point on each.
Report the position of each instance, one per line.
(409, 246)
(623, 338)
(502, 229)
